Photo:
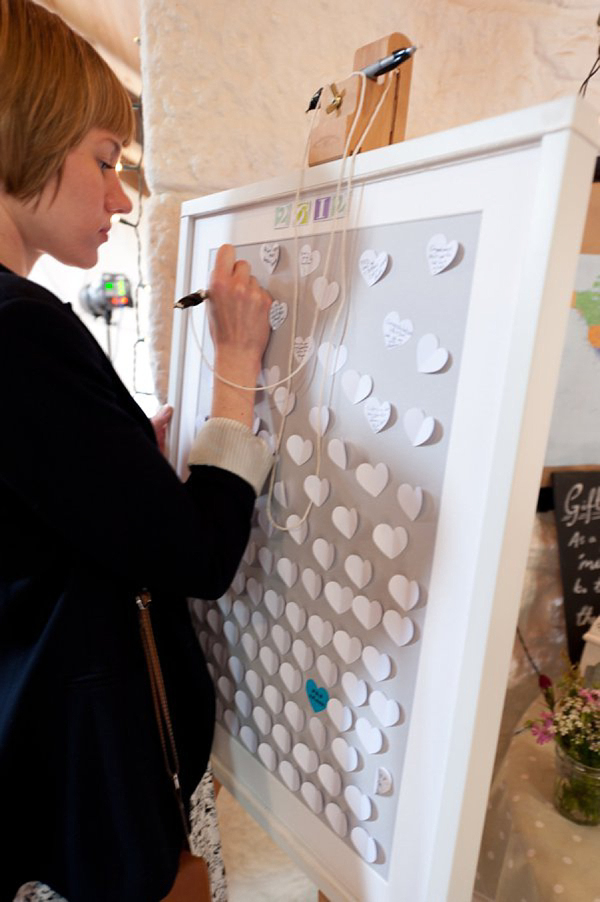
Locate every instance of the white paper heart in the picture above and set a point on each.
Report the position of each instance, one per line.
(243, 703)
(285, 400)
(324, 552)
(404, 592)
(336, 818)
(390, 540)
(279, 491)
(291, 678)
(318, 732)
(259, 622)
(331, 357)
(225, 687)
(396, 331)
(254, 683)
(377, 413)
(330, 779)
(269, 441)
(282, 737)
(360, 805)
(303, 654)
(289, 775)
(339, 597)
(232, 722)
(269, 660)
(264, 523)
(398, 628)
(277, 315)
(312, 582)
(250, 646)
(348, 647)
(303, 348)
(337, 453)
(312, 796)
(308, 260)
(368, 613)
(364, 844)
(378, 664)
(270, 376)
(440, 253)
(372, 266)
(370, 736)
(236, 668)
(294, 715)
(321, 630)
(325, 293)
(386, 710)
(219, 653)
(356, 387)
(299, 449)
(359, 570)
(418, 426)
(288, 571)
(345, 754)
(275, 604)
(345, 520)
(239, 583)
(431, 358)
(269, 255)
(298, 530)
(224, 602)
(265, 559)
(262, 720)
(214, 620)
(231, 632)
(316, 489)
(254, 590)
(372, 479)
(281, 638)
(306, 758)
(241, 613)
(274, 699)
(327, 670)
(410, 500)
(355, 688)
(318, 417)
(268, 756)
(341, 716)
(296, 616)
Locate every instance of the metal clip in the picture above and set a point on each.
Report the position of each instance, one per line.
(337, 99)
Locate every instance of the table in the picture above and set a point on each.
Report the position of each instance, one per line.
(529, 852)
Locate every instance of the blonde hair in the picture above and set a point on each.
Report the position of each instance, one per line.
(54, 87)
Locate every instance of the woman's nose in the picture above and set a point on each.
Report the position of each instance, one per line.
(117, 199)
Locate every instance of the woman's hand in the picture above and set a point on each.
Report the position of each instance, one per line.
(160, 423)
(238, 310)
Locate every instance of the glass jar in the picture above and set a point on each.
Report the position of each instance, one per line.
(576, 789)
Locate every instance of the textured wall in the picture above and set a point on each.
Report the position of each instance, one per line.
(225, 86)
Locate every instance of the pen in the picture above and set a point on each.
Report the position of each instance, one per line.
(374, 70)
(193, 299)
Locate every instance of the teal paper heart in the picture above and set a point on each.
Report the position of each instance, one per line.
(317, 696)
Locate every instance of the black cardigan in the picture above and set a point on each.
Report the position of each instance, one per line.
(90, 512)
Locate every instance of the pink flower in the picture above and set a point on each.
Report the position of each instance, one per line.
(541, 733)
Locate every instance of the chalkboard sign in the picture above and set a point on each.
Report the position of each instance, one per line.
(577, 507)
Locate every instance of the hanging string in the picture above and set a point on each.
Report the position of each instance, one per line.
(593, 70)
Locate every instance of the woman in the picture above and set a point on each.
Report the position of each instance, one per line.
(90, 512)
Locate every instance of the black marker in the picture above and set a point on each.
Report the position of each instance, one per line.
(192, 300)
(374, 70)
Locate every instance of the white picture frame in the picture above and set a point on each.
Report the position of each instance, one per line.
(525, 177)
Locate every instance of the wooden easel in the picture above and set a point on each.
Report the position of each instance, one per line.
(331, 130)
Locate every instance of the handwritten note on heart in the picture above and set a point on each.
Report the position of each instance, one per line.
(308, 260)
(303, 348)
(318, 696)
(377, 413)
(418, 426)
(269, 255)
(278, 314)
(431, 358)
(325, 293)
(440, 253)
(396, 331)
(372, 266)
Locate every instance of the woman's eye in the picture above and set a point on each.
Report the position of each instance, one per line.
(105, 165)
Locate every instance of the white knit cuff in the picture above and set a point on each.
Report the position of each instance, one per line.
(232, 446)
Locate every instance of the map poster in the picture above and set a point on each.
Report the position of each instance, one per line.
(577, 510)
